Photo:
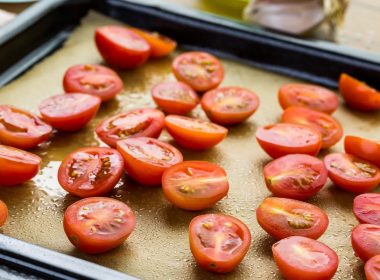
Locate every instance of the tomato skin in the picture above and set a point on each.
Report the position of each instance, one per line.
(98, 172)
(194, 134)
(69, 112)
(310, 96)
(3, 213)
(330, 129)
(364, 148)
(352, 180)
(17, 166)
(121, 47)
(358, 95)
(134, 123)
(160, 45)
(84, 218)
(366, 208)
(21, 129)
(93, 79)
(146, 159)
(312, 261)
(186, 197)
(365, 241)
(295, 176)
(283, 217)
(201, 71)
(175, 97)
(212, 224)
(281, 139)
(217, 105)
(372, 268)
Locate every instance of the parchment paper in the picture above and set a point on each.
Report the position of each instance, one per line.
(158, 248)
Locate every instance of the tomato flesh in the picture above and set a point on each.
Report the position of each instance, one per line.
(372, 268)
(194, 134)
(363, 148)
(295, 176)
(195, 185)
(365, 239)
(134, 123)
(300, 258)
(352, 173)
(98, 224)
(3, 213)
(367, 208)
(218, 242)
(200, 70)
(90, 171)
(146, 159)
(285, 138)
(229, 105)
(175, 97)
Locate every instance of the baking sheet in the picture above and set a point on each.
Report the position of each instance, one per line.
(158, 248)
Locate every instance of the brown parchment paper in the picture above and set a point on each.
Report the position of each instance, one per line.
(158, 248)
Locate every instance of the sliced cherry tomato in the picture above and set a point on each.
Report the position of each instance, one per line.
(218, 242)
(133, 123)
(295, 176)
(310, 96)
(121, 47)
(352, 173)
(365, 239)
(175, 97)
(146, 159)
(17, 166)
(364, 148)
(92, 79)
(372, 268)
(90, 171)
(160, 45)
(200, 70)
(229, 105)
(195, 185)
(283, 217)
(98, 224)
(300, 258)
(69, 112)
(367, 208)
(21, 129)
(329, 128)
(3, 213)
(278, 140)
(358, 95)
(194, 134)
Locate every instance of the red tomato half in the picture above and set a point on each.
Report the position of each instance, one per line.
(295, 176)
(98, 224)
(121, 47)
(21, 129)
(90, 171)
(17, 166)
(300, 258)
(146, 159)
(367, 208)
(3, 213)
(194, 134)
(218, 242)
(365, 239)
(134, 123)
(358, 95)
(309, 96)
(229, 105)
(351, 173)
(195, 185)
(363, 148)
(200, 70)
(283, 217)
(175, 97)
(329, 128)
(372, 268)
(69, 112)
(92, 79)
(285, 138)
